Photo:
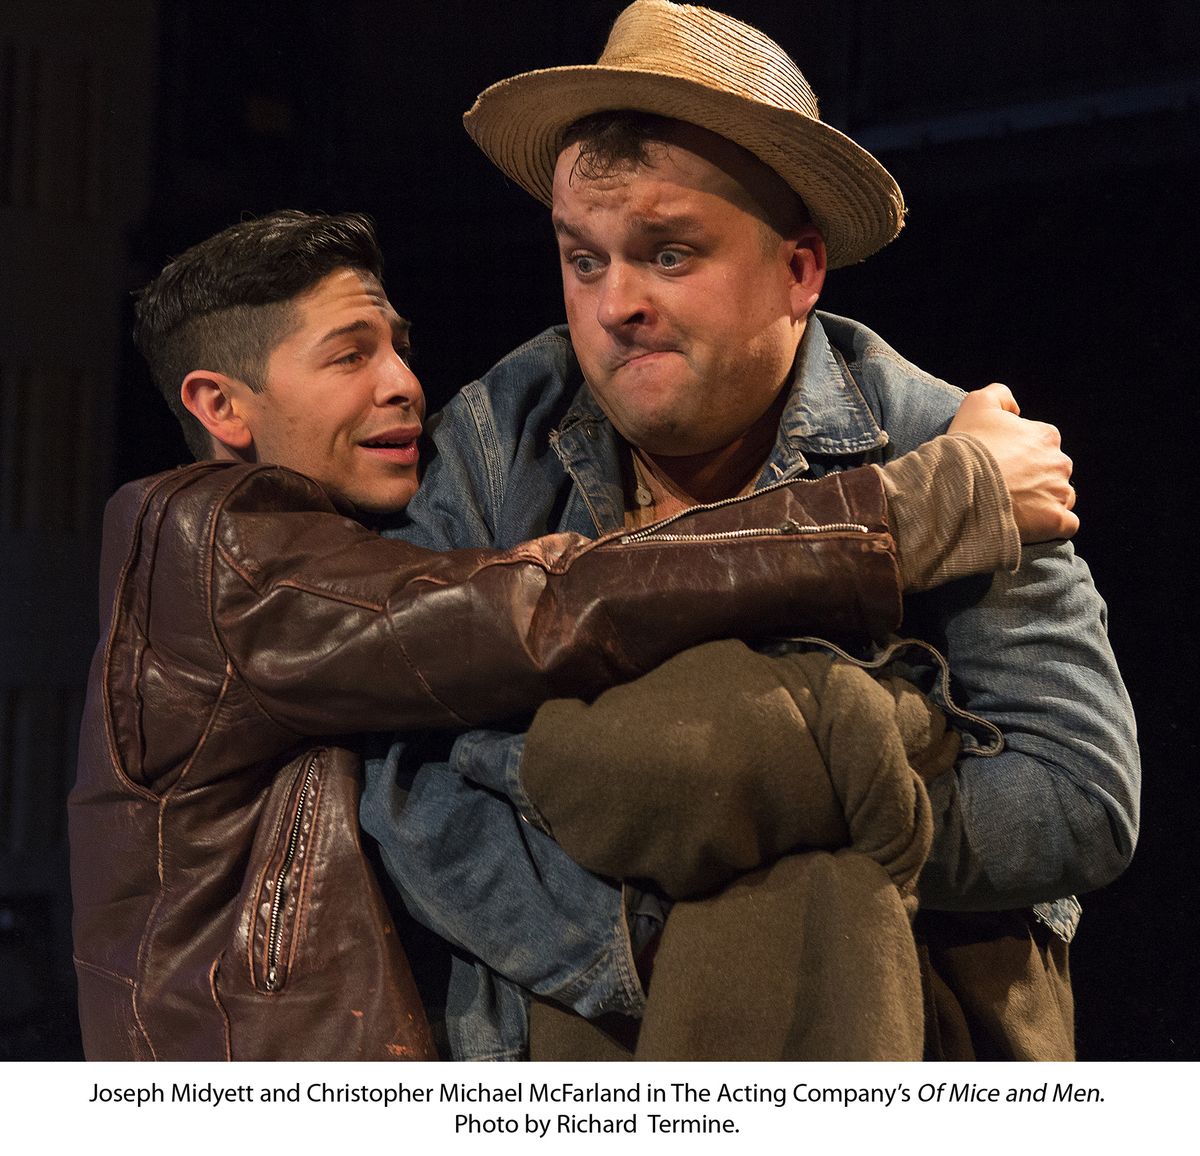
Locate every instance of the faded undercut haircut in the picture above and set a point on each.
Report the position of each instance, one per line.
(620, 139)
(227, 302)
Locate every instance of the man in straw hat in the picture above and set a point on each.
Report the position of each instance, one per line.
(698, 200)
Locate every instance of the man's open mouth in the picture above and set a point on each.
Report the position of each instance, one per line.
(400, 447)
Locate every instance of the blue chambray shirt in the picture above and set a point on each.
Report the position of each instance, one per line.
(525, 451)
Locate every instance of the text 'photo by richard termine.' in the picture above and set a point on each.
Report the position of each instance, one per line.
(499, 563)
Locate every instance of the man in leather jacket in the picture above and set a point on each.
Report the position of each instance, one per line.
(250, 618)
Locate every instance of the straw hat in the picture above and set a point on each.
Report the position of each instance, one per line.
(706, 68)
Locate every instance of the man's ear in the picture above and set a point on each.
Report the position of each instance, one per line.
(808, 263)
(215, 400)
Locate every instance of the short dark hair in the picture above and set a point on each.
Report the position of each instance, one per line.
(611, 141)
(228, 301)
(619, 139)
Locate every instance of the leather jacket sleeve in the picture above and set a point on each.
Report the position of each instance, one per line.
(335, 629)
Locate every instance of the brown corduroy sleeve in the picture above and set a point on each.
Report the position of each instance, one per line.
(950, 513)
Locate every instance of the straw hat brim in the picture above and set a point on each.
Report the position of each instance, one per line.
(519, 124)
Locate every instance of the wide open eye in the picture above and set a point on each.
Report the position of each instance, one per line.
(584, 264)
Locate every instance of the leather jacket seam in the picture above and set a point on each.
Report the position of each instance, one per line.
(123, 578)
(107, 973)
(226, 682)
(317, 592)
(328, 595)
(292, 584)
(148, 926)
(137, 1016)
(225, 556)
(419, 675)
(226, 1026)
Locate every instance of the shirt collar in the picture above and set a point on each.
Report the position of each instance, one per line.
(826, 413)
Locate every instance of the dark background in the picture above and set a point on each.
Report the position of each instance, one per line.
(1048, 152)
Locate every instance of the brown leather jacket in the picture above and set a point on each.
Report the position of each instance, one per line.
(223, 905)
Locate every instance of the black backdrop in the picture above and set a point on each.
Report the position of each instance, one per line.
(1049, 155)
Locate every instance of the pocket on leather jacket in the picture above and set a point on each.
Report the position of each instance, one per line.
(283, 883)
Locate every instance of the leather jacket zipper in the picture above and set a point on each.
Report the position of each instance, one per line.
(754, 532)
(275, 923)
(789, 527)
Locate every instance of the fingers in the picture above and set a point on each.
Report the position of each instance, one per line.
(1030, 458)
(981, 408)
(1047, 522)
(1047, 512)
(997, 393)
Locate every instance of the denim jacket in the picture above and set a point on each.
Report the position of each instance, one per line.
(527, 450)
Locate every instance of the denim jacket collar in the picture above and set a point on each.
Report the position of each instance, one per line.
(589, 449)
(826, 414)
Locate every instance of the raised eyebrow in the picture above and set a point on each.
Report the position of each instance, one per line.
(681, 225)
(564, 228)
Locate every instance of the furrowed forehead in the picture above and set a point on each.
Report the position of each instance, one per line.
(694, 158)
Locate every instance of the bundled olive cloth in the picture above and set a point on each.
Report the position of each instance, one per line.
(781, 802)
